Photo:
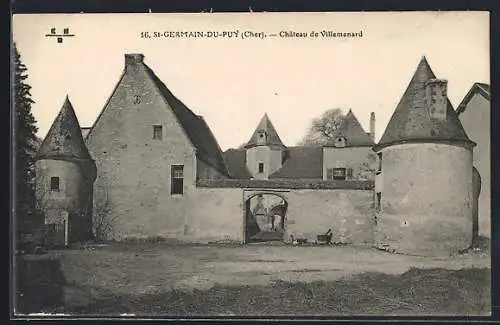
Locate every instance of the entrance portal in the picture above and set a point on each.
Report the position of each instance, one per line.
(265, 217)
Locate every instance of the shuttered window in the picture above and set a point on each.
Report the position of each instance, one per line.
(337, 173)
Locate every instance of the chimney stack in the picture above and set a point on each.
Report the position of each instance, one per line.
(436, 98)
(133, 59)
(372, 125)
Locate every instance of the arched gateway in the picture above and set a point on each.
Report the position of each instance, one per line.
(265, 214)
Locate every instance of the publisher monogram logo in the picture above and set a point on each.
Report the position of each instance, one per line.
(59, 36)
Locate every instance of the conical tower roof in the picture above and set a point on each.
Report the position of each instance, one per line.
(352, 131)
(272, 137)
(64, 139)
(411, 120)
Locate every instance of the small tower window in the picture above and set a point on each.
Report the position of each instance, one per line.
(261, 167)
(177, 179)
(379, 202)
(54, 184)
(157, 132)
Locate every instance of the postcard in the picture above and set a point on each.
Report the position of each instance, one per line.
(251, 164)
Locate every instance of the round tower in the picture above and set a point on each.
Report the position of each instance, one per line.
(65, 174)
(424, 191)
(264, 150)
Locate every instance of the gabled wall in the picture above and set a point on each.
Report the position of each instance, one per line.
(362, 160)
(476, 122)
(133, 169)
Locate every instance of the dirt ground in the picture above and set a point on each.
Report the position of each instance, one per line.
(102, 272)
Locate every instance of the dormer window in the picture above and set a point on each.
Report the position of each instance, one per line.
(262, 137)
(339, 142)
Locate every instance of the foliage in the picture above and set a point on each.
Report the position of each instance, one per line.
(25, 142)
(323, 127)
(103, 222)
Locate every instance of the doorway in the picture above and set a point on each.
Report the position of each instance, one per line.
(265, 216)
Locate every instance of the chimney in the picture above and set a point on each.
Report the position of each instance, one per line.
(372, 125)
(436, 98)
(133, 59)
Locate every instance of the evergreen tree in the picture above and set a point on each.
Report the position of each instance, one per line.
(25, 144)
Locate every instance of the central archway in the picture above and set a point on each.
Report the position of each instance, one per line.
(265, 215)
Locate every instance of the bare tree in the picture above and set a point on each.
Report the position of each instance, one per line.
(103, 222)
(324, 127)
(368, 168)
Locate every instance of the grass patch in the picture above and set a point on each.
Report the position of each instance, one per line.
(415, 292)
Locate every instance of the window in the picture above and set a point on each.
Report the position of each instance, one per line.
(379, 162)
(54, 184)
(337, 173)
(157, 132)
(177, 179)
(137, 99)
(379, 199)
(349, 173)
(261, 167)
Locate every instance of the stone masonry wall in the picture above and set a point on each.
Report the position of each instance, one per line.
(476, 122)
(426, 204)
(73, 197)
(362, 160)
(133, 169)
(271, 157)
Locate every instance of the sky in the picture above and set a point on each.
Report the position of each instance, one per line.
(232, 82)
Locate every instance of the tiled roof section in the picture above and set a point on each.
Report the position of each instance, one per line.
(272, 136)
(411, 121)
(64, 139)
(236, 163)
(301, 162)
(352, 131)
(202, 138)
(286, 184)
(477, 88)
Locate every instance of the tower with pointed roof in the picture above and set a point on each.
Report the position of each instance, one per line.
(65, 173)
(424, 182)
(264, 150)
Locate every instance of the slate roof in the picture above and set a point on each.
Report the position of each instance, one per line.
(64, 139)
(411, 121)
(477, 88)
(352, 131)
(272, 136)
(236, 163)
(202, 138)
(301, 162)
